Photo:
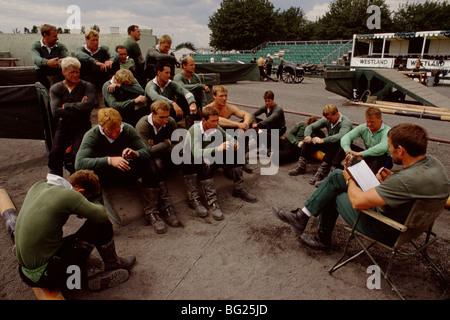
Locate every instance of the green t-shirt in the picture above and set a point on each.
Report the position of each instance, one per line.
(426, 179)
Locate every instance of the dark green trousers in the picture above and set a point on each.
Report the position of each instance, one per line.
(331, 200)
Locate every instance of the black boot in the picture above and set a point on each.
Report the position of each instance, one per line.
(112, 261)
(321, 173)
(151, 212)
(209, 188)
(319, 241)
(239, 190)
(300, 167)
(296, 218)
(193, 195)
(107, 279)
(167, 210)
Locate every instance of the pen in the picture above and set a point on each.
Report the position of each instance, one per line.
(384, 167)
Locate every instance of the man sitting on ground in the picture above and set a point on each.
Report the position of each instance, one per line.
(374, 135)
(207, 145)
(72, 101)
(162, 88)
(124, 93)
(336, 125)
(115, 152)
(189, 80)
(98, 62)
(226, 121)
(156, 131)
(44, 255)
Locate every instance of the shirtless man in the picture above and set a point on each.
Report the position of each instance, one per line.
(226, 110)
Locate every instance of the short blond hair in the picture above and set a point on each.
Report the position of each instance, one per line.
(330, 109)
(219, 88)
(124, 75)
(70, 62)
(90, 33)
(165, 39)
(108, 118)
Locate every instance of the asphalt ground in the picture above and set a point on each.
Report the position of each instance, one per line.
(250, 255)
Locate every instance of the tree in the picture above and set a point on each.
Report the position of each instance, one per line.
(241, 24)
(188, 45)
(290, 24)
(96, 28)
(431, 15)
(347, 17)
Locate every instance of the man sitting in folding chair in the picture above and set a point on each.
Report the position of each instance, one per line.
(423, 177)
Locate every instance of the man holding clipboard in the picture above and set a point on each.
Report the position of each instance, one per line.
(422, 177)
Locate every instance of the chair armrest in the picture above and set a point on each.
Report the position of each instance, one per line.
(378, 216)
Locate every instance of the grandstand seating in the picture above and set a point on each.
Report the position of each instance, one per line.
(298, 53)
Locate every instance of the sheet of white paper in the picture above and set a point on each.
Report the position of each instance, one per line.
(365, 178)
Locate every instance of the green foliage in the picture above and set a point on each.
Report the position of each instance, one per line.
(245, 24)
(241, 24)
(347, 17)
(290, 24)
(431, 15)
(188, 45)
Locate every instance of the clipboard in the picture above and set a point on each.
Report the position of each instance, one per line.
(363, 176)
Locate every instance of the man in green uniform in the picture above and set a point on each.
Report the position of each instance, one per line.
(422, 177)
(134, 52)
(207, 146)
(124, 93)
(47, 54)
(156, 131)
(374, 136)
(44, 255)
(98, 62)
(336, 125)
(115, 152)
(162, 88)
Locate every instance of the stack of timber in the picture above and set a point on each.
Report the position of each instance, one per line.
(410, 110)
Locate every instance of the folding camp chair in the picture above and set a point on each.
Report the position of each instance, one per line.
(420, 220)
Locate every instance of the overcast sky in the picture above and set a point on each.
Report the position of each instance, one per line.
(183, 20)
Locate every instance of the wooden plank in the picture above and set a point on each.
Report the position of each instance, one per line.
(47, 294)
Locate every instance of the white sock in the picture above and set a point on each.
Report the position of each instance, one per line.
(306, 211)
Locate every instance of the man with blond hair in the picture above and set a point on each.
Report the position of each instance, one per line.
(98, 62)
(227, 115)
(71, 101)
(374, 135)
(336, 126)
(124, 93)
(116, 153)
(160, 53)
